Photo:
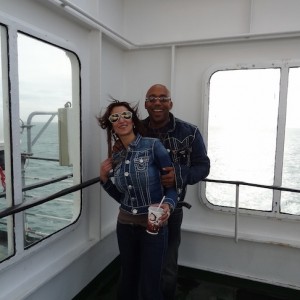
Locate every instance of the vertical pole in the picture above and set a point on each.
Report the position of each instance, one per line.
(237, 196)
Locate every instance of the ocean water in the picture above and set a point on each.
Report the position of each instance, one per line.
(52, 216)
(56, 214)
(250, 156)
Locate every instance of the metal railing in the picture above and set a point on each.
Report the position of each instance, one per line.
(26, 204)
(237, 195)
(32, 203)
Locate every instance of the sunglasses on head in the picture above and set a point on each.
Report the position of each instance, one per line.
(127, 115)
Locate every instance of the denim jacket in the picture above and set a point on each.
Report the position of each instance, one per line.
(185, 144)
(136, 176)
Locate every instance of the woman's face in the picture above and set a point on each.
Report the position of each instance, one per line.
(122, 118)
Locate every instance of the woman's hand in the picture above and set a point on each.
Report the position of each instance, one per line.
(105, 167)
(166, 214)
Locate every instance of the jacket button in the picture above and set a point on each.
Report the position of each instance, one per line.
(134, 211)
(126, 173)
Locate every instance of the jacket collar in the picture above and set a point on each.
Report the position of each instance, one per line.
(170, 126)
(136, 141)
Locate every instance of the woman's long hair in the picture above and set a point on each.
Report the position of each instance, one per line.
(104, 122)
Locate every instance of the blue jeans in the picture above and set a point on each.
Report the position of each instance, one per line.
(142, 258)
(169, 276)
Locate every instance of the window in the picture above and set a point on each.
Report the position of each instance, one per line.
(48, 125)
(47, 144)
(245, 141)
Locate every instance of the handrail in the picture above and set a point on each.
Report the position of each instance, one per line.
(29, 125)
(271, 187)
(237, 196)
(42, 183)
(32, 203)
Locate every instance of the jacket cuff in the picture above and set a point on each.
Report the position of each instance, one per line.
(171, 203)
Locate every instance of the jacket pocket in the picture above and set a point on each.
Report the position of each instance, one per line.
(141, 163)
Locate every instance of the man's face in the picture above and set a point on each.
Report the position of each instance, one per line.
(158, 104)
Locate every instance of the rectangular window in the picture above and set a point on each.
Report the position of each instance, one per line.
(39, 120)
(242, 137)
(50, 127)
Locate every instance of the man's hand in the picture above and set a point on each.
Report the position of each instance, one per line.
(168, 179)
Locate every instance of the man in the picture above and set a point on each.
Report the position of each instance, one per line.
(191, 164)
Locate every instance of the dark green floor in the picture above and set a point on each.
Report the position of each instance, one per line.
(193, 285)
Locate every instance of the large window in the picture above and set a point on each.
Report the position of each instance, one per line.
(46, 156)
(246, 141)
(48, 127)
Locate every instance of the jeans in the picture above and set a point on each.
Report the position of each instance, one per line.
(142, 258)
(169, 276)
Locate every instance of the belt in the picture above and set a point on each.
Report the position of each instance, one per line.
(182, 203)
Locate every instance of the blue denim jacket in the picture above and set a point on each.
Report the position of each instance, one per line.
(136, 176)
(185, 144)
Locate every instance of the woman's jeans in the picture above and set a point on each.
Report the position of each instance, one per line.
(142, 258)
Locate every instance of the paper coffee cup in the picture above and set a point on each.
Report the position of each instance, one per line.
(154, 214)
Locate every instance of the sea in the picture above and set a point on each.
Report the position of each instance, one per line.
(47, 218)
(249, 155)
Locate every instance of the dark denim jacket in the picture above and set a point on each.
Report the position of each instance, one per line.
(185, 144)
(136, 176)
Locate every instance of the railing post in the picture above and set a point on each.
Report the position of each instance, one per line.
(237, 199)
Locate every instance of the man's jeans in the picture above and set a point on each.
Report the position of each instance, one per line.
(142, 257)
(169, 276)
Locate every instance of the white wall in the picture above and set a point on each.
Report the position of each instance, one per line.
(164, 21)
(181, 20)
(275, 15)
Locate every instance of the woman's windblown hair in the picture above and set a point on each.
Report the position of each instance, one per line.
(104, 122)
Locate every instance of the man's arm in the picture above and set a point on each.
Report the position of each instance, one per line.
(200, 162)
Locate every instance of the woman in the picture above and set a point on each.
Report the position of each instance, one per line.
(136, 170)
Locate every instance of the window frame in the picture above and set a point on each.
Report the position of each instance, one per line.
(284, 66)
(13, 174)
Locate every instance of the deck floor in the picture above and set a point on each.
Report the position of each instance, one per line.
(193, 285)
